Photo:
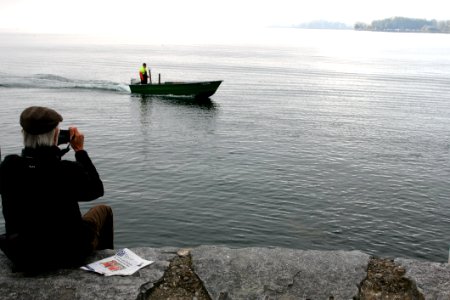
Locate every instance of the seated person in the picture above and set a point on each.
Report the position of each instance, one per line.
(40, 194)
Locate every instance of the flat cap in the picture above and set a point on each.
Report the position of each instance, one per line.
(38, 120)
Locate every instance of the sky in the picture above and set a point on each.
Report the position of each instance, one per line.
(181, 18)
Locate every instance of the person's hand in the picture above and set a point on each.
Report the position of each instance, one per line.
(76, 139)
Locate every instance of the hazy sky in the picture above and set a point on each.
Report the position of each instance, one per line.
(202, 17)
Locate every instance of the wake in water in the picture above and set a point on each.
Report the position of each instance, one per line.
(49, 81)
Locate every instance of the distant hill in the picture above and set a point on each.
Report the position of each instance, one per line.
(401, 24)
(320, 24)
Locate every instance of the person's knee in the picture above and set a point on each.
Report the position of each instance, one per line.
(109, 210)
(105, 208)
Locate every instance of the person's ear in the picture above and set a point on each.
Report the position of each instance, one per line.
(55, 137)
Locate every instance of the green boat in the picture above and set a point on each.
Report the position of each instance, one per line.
(203, 89)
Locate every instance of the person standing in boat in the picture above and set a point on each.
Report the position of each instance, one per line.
(143, 74)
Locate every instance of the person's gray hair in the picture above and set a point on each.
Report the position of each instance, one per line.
(38, 140)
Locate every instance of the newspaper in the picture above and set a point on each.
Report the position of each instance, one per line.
(125, 262)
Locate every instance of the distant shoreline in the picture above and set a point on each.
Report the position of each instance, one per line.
(395, 24)
(401, 24)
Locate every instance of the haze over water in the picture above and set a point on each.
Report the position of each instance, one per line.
(315, 140)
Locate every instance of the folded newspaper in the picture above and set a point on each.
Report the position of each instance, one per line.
(125, 262)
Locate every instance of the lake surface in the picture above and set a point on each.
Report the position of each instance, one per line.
(315, 140)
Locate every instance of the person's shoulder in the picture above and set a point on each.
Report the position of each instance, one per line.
(80, 157)
(11, 162)
(11, 158)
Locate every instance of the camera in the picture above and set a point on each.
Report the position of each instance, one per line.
(63, 137)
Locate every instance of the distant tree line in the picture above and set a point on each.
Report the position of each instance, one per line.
(401, 24)
(321, 24)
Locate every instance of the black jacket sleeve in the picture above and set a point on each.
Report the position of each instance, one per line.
(86, 184)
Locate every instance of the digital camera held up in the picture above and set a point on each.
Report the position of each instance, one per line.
(63, 137)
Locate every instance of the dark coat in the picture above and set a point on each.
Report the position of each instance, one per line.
(40, 195)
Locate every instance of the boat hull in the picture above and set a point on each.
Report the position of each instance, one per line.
(189, 89)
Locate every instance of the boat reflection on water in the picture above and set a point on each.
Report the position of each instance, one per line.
(145, 106)
(203, 103)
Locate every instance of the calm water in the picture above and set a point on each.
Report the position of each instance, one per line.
(326, 140)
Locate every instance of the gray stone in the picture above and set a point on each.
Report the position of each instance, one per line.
(278, 273)
(78, 284)
(246, 273)
(431, 278)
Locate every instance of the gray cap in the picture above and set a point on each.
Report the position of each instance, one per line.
(38, 120)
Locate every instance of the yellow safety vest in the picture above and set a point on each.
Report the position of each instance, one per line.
(142, 70)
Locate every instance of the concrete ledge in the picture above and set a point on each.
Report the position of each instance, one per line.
(247, 273)
(262, 273)
(78, 284)
(432, 279)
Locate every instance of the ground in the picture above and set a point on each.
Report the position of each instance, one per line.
(179, 281)
(385, 280)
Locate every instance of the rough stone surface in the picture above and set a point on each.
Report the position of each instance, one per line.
(211, 272)
(386, 280)
(78, 284)
(179, 282)
(278, 273)
(431, 278)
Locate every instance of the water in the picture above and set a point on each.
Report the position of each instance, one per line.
(315, 140)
